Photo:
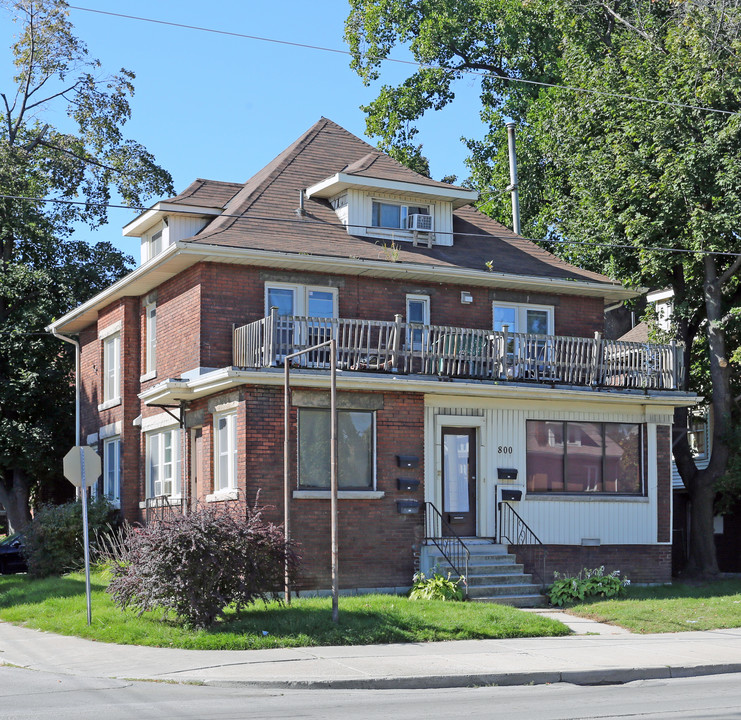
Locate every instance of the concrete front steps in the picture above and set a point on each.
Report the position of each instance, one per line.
(493, 576)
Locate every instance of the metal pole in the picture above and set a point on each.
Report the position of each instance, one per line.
(333, 477)
(513, 183)
(286, 479)
(86, 539)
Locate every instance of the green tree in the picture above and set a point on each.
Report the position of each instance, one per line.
(83, 157)
(595, 165)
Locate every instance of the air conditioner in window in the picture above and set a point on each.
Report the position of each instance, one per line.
(419, 222)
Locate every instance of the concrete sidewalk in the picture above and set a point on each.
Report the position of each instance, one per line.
(580, 659)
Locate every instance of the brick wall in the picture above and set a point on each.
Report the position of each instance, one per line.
(639, 563)
(376, 543)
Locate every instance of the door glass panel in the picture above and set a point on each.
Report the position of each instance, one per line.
(321, 304)
(505, 316)
(285, 300)
(455, 461)
(537, 322)
(417, 312)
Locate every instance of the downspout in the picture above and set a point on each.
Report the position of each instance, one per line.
(76, 343)
(512, 187)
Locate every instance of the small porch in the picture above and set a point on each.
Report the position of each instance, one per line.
(442, 351)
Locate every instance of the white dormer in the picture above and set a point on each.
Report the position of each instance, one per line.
(393, 209)
(167, 223)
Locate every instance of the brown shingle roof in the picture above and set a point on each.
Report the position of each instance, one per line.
(262, 215)
(206, 193)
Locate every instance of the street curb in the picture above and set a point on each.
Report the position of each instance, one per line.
(615, 676)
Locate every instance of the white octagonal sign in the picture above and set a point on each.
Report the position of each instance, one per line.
(73, 466)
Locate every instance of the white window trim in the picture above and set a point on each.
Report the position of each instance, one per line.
(301, 296)
(401, 204)
(356, 493)
(522, 309)
(115, 497)
(150, 340)
(230, 482)
(425, 300)
(112, 381)
(177, 460)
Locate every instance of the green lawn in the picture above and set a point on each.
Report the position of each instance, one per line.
(58, 605)
(675, 608)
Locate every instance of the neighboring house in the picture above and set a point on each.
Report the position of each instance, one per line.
(699, 430)
(472, 369)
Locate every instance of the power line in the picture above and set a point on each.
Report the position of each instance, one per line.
(323, 223)
(466, 71)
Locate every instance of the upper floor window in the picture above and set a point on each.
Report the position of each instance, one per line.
(155, 244)
(163, 463)
(394, 215)
(534, 319)
(697, 433)
(150, 337)
(112, 469)
(112, 367)
(225, 451)
(584, 457)
(418, 311)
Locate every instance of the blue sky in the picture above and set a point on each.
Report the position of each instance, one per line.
(220, 107)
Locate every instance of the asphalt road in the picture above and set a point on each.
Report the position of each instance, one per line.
(26, 694)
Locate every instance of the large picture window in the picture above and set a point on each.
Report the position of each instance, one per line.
(584, 457)
(355, 449)
(392, 215)
(163, 463)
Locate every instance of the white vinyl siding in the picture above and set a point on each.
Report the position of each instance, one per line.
(225, 451)
(502, 444)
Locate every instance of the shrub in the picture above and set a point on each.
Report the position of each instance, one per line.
(198, 564)
(54, 538)
(436, 587)
(588, 584)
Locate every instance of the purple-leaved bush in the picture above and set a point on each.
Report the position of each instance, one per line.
(197, 564)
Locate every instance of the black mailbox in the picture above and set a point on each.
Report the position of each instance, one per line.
(407, 484)
(407, 461)
(407, 507)
(512, 495)
(507, 473)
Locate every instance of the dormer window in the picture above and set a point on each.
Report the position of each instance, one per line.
(392, 215)
(155, 244)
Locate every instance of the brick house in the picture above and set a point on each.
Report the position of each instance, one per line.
(478, 403)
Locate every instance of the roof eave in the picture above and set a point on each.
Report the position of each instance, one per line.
(182, 255)
(143, 222)
(335, 184)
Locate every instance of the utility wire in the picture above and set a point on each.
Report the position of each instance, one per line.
(323, 223)
(466, 71)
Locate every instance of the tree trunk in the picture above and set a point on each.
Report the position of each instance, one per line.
(14, 497)
(702, 561)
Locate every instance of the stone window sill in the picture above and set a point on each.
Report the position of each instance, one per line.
(174, 500)
(151, 375)
(222, 495)
(564, 497)
(341, 494)
(113, 402)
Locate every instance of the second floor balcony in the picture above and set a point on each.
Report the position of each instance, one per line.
(441, 351)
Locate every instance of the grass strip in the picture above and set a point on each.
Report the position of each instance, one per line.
(679, 607)
(58, 605)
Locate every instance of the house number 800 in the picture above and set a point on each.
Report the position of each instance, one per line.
(504, 449)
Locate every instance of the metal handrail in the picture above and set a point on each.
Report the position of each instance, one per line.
(451, 546)
(515, 531)
(159, 508)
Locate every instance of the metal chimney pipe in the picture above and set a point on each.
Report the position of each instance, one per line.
(513, 178)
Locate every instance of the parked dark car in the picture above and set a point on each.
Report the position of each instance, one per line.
(12, 559)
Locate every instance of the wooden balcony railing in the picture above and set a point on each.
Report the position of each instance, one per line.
(454, 352)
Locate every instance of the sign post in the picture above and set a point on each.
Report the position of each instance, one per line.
(80, 463)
